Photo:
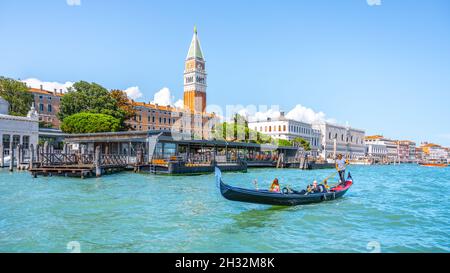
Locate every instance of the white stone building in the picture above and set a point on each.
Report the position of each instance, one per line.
(376, 148)
(288, 129)
(338, 139)
(17, 130)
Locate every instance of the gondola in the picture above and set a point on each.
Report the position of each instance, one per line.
(266, 197)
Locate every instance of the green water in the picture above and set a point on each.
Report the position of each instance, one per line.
(394, 208)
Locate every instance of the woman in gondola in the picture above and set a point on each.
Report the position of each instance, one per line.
(275, 187)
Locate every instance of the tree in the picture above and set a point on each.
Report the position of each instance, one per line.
(238, 130)
(284, 143)
(90, 98)
(90, 123)
(17, 95)
(124, 103)
(302, 142)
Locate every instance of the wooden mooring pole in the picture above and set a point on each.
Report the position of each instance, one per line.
(97, 161)
(31, 153)
(2, 156)
(11, 159)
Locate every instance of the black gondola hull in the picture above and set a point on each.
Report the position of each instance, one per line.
(280, 199)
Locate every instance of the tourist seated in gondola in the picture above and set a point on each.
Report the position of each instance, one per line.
(275, 187)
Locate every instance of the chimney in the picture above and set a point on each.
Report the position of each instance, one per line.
(60, 91)
(42, 88)
(56, 90)
(282, 114)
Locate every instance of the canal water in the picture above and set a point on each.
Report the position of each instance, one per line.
(390, 209)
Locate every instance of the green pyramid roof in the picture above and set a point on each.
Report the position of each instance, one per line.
(195, 51)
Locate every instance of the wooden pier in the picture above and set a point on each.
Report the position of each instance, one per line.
(47, 162)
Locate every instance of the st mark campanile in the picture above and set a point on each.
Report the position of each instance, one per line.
(195, 78)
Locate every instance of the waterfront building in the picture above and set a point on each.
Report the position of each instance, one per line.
(390, 154)
(376, 148)
(47, 106)
(406, 151)
(288, 129)
(338, 139)
(16, 130)
(433, 152)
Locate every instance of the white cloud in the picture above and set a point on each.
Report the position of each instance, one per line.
(298, 113)
(133, 92)
(259, 115)
(179, 104)
(374, 2)
(49, 86)
(164, 97)
(73, 2)
(308, 115)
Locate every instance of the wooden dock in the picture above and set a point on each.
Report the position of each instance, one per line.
(45, 162)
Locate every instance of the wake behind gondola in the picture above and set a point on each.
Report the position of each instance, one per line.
(279, 199)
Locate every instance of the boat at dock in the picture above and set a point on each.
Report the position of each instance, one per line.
(266, 197)
(434, 165)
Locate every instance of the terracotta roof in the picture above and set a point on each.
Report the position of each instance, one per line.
(44, 92)
(373, 137)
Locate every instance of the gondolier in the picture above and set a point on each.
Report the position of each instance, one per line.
(341, 164)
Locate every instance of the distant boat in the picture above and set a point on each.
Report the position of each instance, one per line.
(436, 165)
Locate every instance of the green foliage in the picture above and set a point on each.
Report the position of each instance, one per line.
(17, 95)
(284, 142)
(45, 124)
(302, 142)
(90, 123)
(90, 98)
(238, 130)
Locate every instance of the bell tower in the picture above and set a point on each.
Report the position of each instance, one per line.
(195, 78)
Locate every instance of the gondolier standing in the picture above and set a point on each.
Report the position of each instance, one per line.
(341, 163)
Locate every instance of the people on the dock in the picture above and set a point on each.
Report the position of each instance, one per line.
(341, 164)
(275, 187)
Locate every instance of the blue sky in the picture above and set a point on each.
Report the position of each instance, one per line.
(384, 68)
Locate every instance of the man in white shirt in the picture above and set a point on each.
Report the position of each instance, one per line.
(341, 163)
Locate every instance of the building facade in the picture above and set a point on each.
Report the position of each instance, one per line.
(338, 139)
(16, 130)
(288, 129)
(406, 151)
(376, 149)
(433, 152)
(47, 106)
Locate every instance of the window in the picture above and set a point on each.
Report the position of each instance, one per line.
(279, 128)
(41, 107)
(6, 141)
(49, 108)
(16, 141)
(160, 120)
(26, 142)
(284, 128)
(270, 128)
(153, 119)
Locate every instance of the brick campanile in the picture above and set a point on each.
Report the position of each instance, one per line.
(195, 78)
